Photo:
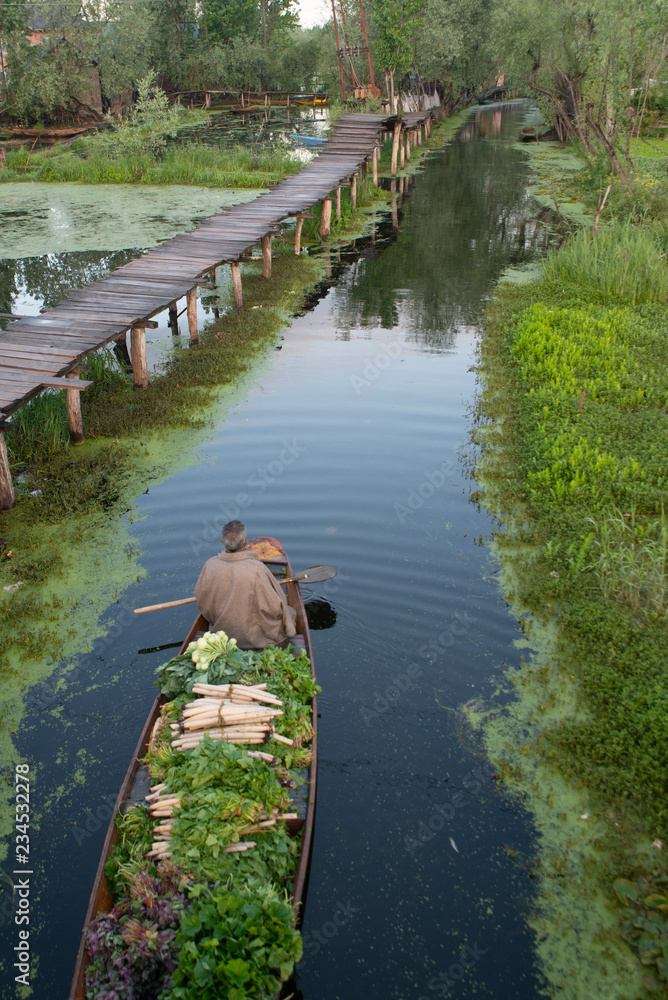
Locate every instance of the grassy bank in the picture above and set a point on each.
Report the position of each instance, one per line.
(573, 440)
(195, 164)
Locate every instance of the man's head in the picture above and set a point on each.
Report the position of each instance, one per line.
(233, 536)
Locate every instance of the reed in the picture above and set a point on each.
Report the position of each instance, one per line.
(104, 368)
(40, 428)
(632, 562)
(621, 264)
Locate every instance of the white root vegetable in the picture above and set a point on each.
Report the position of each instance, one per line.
(282, 739)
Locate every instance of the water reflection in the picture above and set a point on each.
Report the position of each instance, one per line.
(32, 282)
(263, 130)
(468, 219)
(320, 613)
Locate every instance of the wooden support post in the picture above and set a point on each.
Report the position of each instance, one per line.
(266, 256)
(396, 139)
(298, 235)
(353, 191)
(138, 354)
(207, 100)
(7, 498)
(419, 136)
(73, 402)
(236, 282)
(409, 142)
(374, 166)
(402, 154)
(191, 309)
(338, 201)
(173, 319)
(326, 218)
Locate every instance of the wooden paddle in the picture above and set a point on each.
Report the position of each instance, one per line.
(314, 574)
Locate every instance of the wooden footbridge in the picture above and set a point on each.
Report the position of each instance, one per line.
(46, 351)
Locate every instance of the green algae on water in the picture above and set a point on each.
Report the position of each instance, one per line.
(55, 218)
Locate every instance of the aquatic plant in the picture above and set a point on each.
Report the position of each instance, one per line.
(632, 561)
(196, 164)
(40, 428)
(646, 930)
(622, 263)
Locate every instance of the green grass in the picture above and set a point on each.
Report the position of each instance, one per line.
(200, 165)
(622, 263)
(631, 561)
(580, 478)
(40, 427)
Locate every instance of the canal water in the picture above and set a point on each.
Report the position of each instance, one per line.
(349, 446)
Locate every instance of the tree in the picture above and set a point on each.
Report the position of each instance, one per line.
(452, 44)
(276, 16)
(396, 23)
(175, 39)
(224, 20)
(582, 59)
(76, 51)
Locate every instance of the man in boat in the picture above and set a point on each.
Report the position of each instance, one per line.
(238, 594)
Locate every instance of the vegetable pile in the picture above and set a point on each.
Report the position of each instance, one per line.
(202, 864)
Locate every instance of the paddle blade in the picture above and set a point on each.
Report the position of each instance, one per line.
(315, 574)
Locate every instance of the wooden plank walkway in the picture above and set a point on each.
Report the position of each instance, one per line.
(40, 351)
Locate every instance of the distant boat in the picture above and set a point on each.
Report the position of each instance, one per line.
(309, 141)
(320, 98)
(46, 134)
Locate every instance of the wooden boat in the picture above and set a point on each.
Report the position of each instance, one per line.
(46, 134)
(135, 783)
(311, 99)
(308, 141)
